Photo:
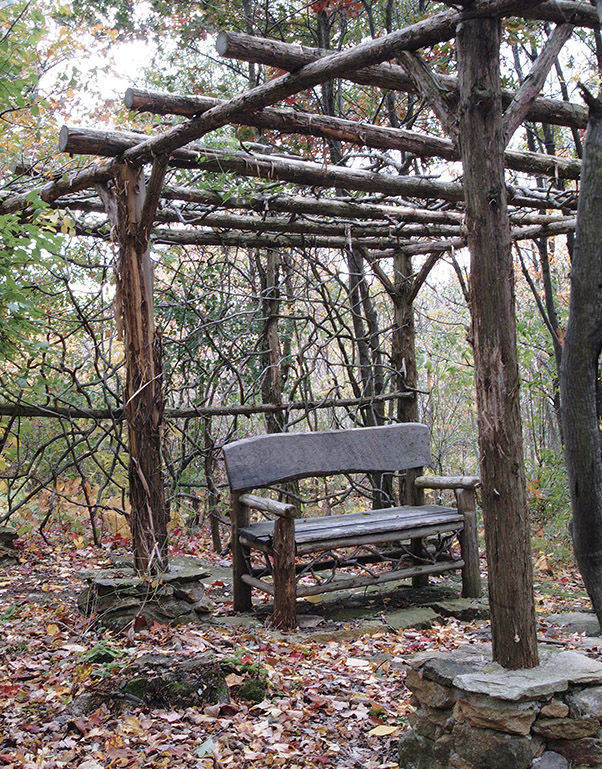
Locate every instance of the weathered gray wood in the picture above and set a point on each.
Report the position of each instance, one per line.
(447, 481)
(380, 538)
(267, 459)
(269, 506)
(469, 543)
(388, 576)
(241, 591)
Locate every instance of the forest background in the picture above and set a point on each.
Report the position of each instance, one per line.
(244, 326)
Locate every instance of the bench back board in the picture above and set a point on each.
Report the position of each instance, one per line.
(253, 463)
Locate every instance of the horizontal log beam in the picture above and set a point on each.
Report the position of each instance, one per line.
(53, 411)
(364, 134)
(289, 56)
(113, 143)
(434, 29)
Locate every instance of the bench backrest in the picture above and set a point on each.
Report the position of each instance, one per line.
(253, 463)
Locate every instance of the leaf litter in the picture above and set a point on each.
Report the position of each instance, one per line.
(338, 703)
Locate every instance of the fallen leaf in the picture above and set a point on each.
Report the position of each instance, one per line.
(383, 731)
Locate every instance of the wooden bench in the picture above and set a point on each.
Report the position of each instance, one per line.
(353, 539)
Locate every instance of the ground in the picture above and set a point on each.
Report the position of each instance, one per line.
(335, 689)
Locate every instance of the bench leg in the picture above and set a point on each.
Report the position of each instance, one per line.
(417, 548)
(469, 545)
(240, 556)
(285, 584)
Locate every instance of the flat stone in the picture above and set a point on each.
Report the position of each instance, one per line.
(475, 653)
(489, 749)
(566, 728)
(347, 634)
(550, 760)
(557, 670)
(7, 536)
(464, 609)
(419, 618)
(445, 667)
(587, 702)
(428, 692)
(555, 709)
(587, 751)
(493, 714)
(576, 622)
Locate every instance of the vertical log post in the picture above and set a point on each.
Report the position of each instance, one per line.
(469, 543)
(285, 584)
(494, 329)
(403, 361)
(134, 214)
(240, 554)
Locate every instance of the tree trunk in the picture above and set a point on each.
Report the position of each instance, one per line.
(580, 368)
(492, 283)
(144, 401)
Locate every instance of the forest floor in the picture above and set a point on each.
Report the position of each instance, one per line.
(334, 699)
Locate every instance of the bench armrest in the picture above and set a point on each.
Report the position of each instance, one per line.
(283, 509)
(447, 482)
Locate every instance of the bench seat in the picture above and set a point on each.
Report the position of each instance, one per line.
(390, 524)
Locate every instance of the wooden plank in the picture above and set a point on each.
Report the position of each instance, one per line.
(389, 576)
(324, 529)
(266, 459)
(404, 512)
(374, 539)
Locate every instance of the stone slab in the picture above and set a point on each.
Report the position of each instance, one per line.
(556, 671)
(575, 622)
(419, 618)
(464, 609)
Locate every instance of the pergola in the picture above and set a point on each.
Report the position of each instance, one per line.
(413, 215)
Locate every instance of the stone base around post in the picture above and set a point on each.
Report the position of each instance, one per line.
(471, 713)
(117, 598)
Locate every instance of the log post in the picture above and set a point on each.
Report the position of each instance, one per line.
(239, 514)
(494, 331)
(133, 208)
(469, 543)
(285, 585)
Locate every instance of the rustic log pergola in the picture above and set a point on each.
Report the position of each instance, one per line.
(483, 212)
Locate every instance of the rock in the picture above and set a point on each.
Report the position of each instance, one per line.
(416, 617)
(157, 681)
(488, 749)
(576, 622)
(494, 714)
(416, 752)
(556, 671)
(119, 597)
(566, 728)
(8, 552)
(550, 760)
(444, 671)
(587, 702)
(464, 609)
(428, 692)
(555, 709)
(429, 722)
(587, 751)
